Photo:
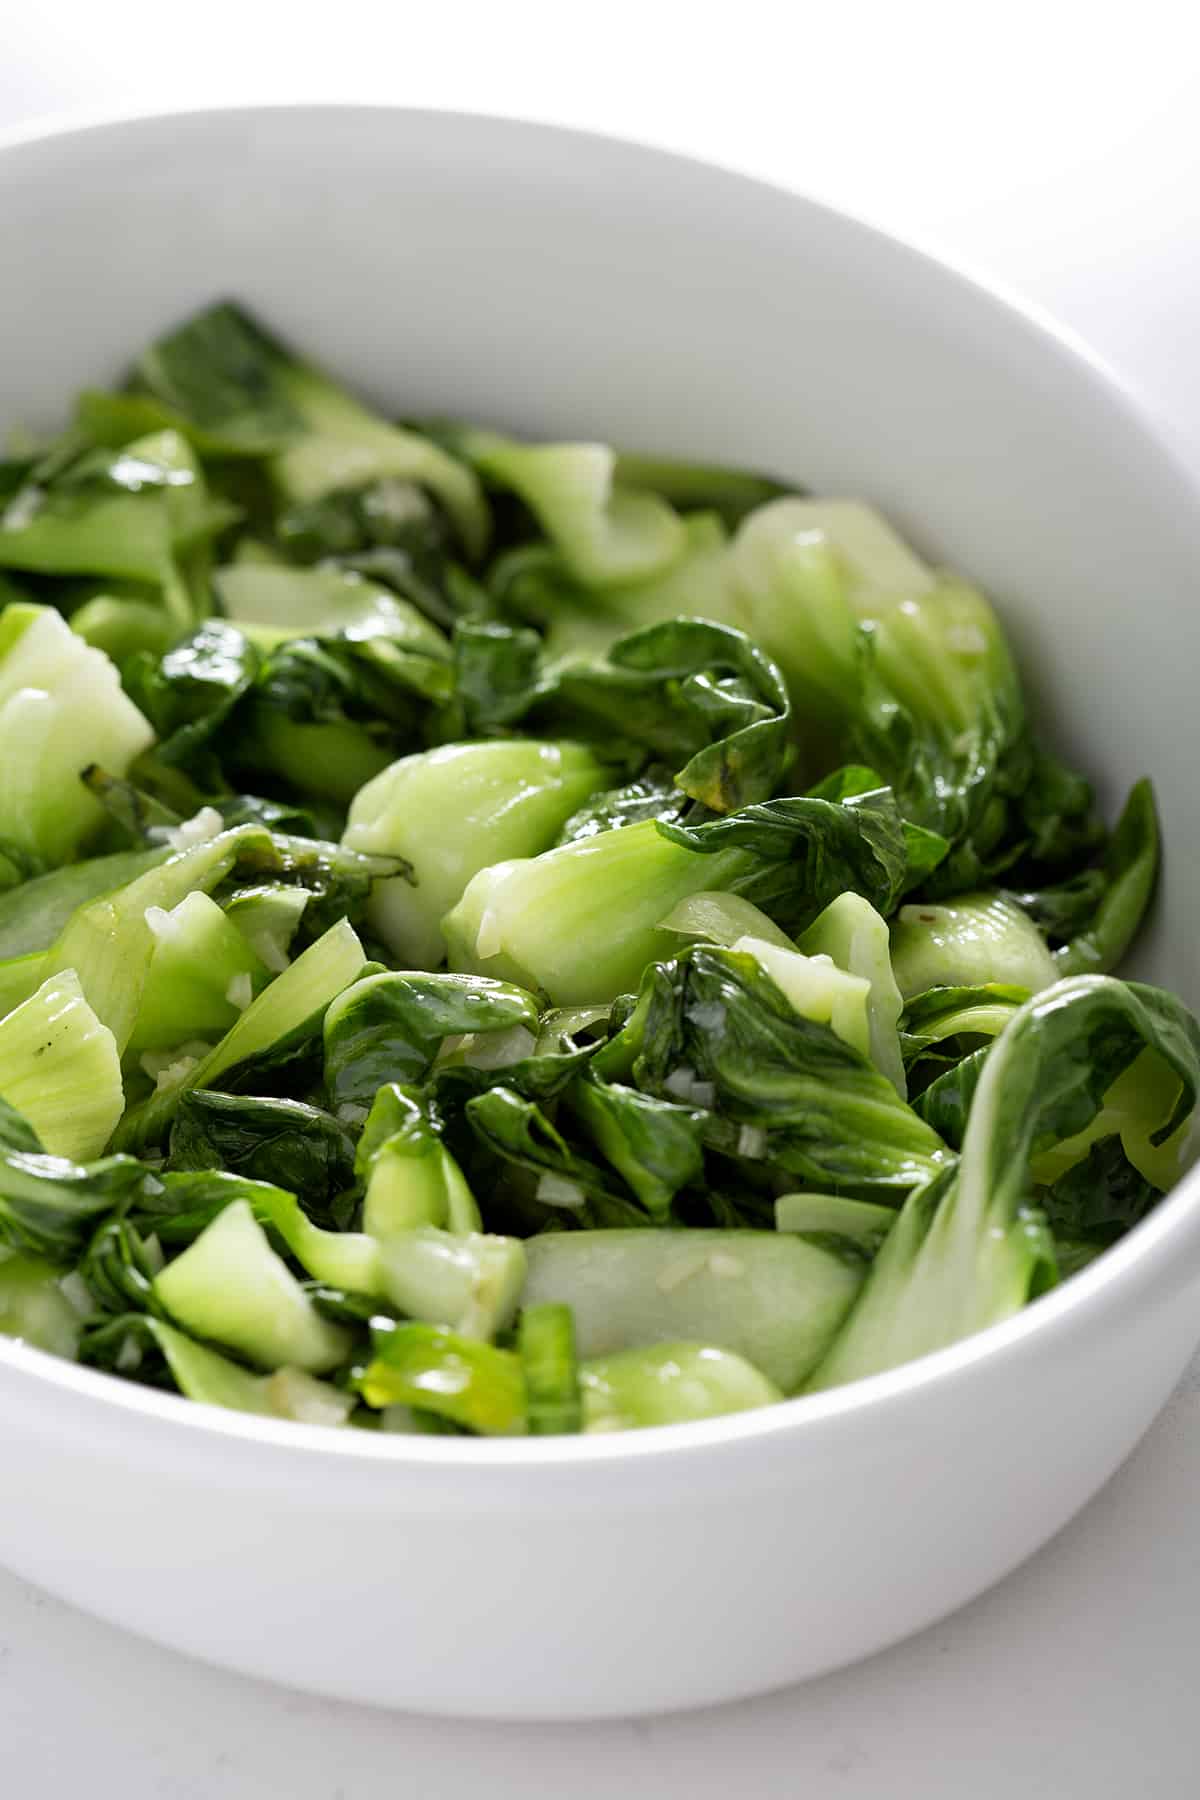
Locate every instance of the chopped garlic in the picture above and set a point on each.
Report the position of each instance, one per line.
(684, 1084)
(752, 1142)
(199, 829)
(169, 1068)
(158, 920)
(556, 1190)
(240, 991)
(497, 1049)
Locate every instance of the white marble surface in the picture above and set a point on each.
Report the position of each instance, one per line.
(1059, 154)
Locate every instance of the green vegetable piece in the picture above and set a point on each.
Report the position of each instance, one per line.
(1129, 871)
(855, 937)
(49, 1204)
(1099, 1198)
(411, 1178)
(205, 1375)
(818, 989)
(202, 975)
(59, 1068)
(123, 628)
(825, 1216)
(293, 1005)
(390, 1027)
(973, 941)
(698, 695)
(32, 915)
(968, 1250)
(20, 977)
(467, 1280)
(135, 513)
(939, 1015)
(454, 811)
(723, 919)
(713, 1029)
(349, 1260)
(669, 1384)
(551, 922)
(606, 534)
(268, 918)
(546, 1345)
(284, 1017)
(426, 1366)
(230, 1286)
(795, 589)
(775, 1300)
(1137, 1099)
(190, 692)
(656, 1145)
(577, 619)
(298, 1147)
(271, 605)
(845, 837)
(119, 1265)
(61, 709)
(731, 493)
(248, 393)
(33, 1307)
(108, 942)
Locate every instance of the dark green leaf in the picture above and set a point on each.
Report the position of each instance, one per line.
(1101, 1197)
(809, 850)
(294, 1146)
(391, 1027)
(714, 1031)
(48, 1204)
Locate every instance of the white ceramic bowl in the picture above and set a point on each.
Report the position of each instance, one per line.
(577, 286)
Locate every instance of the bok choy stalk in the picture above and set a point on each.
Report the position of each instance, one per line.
(279, 1025)
(34, 1309)
(605, 533)
(229, 1286)
(61, 710)
(202, 975)
(970, 1247)
(973, 941)
(451, 812)
(59, 1069)
(203, 1374)
(775, 1300)
(668, 1385)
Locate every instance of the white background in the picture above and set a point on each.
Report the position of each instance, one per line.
(1057, 152)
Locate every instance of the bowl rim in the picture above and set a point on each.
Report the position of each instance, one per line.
(1121, 1276)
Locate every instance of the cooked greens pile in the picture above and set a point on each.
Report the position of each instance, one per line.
(503, 937)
